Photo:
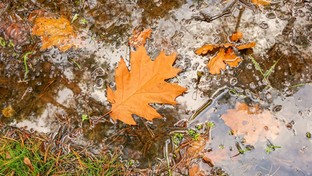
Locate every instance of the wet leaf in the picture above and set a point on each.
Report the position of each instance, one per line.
(54, 32)
(194, 170)
(28, 163)
(138, 38)
(218, 63)
(8, 111)
(196, 147)
(253, 125)
(205, 49)
(235, 37)
(225, 55)
(215, 156)
(246, 46)
(142, 85)
(261, 2)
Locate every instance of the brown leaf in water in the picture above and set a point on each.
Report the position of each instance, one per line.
(261, 2)
(255, 127)
(138, 38)
(196, 147)
(194, 170)
(144, 84)
(54, 32)
(215, 157)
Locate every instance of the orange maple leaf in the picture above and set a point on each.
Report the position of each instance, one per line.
(139, 37)
(142, 85)
(255, 126)
(54, 32)
(261, 2)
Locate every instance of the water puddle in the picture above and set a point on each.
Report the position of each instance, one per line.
(67, 90)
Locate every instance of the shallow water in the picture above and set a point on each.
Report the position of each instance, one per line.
(61, 87)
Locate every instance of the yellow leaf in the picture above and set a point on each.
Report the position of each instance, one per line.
(142, 85)
(54, 32)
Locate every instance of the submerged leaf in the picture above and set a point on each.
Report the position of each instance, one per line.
(142, 85)
(54, 32)
(254, 125)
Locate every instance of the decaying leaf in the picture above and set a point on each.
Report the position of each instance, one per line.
(138, 38)
(253, 125)
(142, 85)
(261, 2)
(225, 55)
(54, 32)
(8, 111)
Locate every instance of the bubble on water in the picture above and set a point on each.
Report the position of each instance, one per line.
(112, 85)
(263, 25)
(195, 66)
(249, 66)
(99, 83)
(225, 79)
(268, 96)
(270, 15)
(29, 89)
(277, 108)
(239, 89)
(279, 38)
(233, 81)
(252, 85)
